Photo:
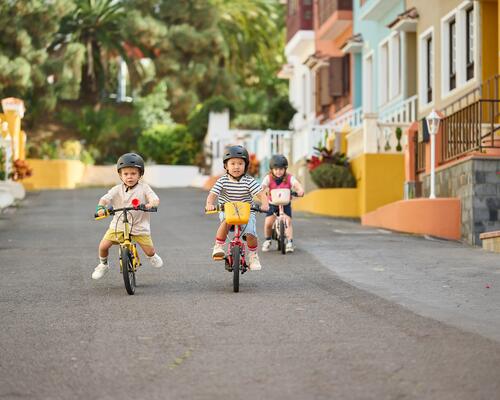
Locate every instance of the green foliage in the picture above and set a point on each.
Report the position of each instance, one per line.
(152, 109)
(29, 69)
(333, 176)
(250, 121)
(198, 120)
(106, 132)
(168, 144)
(280, 113)
(399, 133)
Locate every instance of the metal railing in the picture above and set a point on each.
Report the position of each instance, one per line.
(419, 156)
(470, 129)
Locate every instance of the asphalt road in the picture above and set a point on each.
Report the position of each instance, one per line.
(331, 321)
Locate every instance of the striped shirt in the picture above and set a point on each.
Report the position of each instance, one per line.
(228, 189)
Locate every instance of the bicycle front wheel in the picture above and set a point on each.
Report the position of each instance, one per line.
(235, 254)
(127, 270)
(281, 239)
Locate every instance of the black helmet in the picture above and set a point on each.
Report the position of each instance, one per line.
(237, 152)
(278, 161)
(130, 160)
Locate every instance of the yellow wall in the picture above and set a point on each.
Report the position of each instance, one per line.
(489, 34)
(337, 202)
(54, 174)
(380, 179)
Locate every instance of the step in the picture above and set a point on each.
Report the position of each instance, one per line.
(491, 241)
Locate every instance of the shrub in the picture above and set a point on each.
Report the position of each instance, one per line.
(168, 144)
(280, 113)
(328, 175)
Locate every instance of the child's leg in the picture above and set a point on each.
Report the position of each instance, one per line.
(268, 226)
(148, 250)
(289, 228)
(104, 247)
(222, 231)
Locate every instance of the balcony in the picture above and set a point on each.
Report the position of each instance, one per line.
(299, 17)
(334, 17)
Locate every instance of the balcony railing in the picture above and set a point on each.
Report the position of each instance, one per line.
(326, 8)
(470, 129)
(352, 119)
(404, 112)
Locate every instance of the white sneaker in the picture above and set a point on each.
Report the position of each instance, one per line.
(266, 246)
(100, 271)
(218, 252)
(156, 261)
(289, 247)
(253, 261)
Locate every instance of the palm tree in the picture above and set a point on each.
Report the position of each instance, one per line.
(97, 25)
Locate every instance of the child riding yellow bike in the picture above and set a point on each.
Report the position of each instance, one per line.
(278, 178)
(130, 167)
(236, 185)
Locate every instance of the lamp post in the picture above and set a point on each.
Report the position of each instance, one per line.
(433, 120)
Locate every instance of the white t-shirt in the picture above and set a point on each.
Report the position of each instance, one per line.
(118, 196)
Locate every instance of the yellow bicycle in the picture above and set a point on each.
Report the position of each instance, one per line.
(129, 257)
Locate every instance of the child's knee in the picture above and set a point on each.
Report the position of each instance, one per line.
(148, 250)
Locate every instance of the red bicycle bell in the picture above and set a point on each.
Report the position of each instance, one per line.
(135, 203)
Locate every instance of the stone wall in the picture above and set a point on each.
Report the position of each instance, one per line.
(476, 182)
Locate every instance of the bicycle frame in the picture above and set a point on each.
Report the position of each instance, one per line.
(127, 243)
(236, 241)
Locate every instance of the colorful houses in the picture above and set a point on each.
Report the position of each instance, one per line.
(363, 76)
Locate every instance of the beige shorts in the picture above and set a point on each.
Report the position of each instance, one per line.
(117, 237)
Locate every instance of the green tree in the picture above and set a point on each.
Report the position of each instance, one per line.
(28, 68)
(98, 26)
(168, 144)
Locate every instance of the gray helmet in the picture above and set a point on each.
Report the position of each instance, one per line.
(237, 152)
(130, 160)
(278, 161)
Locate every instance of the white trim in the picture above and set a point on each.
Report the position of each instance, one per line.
(367, 92)
(390, 68)
(459, 15)
(422, 68)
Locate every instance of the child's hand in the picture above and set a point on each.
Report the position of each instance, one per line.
(101, 212)
(209, 207)
(300, 193)
(264, 207)
(147, 206)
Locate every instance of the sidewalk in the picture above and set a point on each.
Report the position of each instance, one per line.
(444, 280)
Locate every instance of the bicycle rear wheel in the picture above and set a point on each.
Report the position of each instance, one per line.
(281, 239)
(127, 270)
(235, 255)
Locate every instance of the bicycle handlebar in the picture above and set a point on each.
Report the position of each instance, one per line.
(220, 207)
(112, 211)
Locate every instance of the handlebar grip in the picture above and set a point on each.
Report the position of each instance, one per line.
(152, 209)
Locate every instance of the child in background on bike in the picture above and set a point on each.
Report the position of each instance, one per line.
(130, 167)
(236, 185)
(278, 178)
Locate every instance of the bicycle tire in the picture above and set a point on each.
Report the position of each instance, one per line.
(127, 270)
(282, 245)
(235, 255)
(276, 234)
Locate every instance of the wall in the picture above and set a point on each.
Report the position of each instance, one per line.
(475, 181)
(380, 179)
(430, 14)
(489, 33)
(68, 174)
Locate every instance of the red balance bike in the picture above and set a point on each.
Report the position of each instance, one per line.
(236, 213)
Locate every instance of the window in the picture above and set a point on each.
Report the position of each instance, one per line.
(395, 66)
(452, 63)
(384, 74)
(458, 49)
(426, 67)
(293, 6)
(346, 73)
(429, 69)
(469, 40)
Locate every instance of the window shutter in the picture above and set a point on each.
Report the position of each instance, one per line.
(324, 89)
(335, 77)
